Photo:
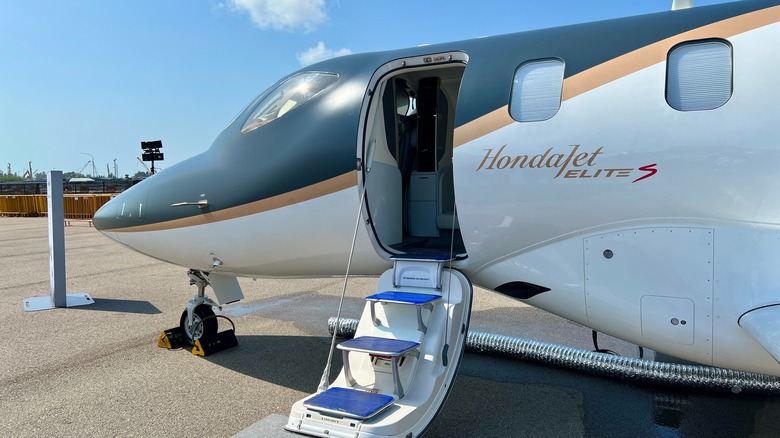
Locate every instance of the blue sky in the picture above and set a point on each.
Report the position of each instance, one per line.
(98, 77)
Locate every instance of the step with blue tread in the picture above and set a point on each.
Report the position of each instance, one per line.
(391, 348)
(379, 346)
(403, 298)
(424, 257)
(398, 297)
(352, 403)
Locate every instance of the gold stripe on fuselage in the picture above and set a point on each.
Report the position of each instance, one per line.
(573, 86)
(622, 66)
(313, 191)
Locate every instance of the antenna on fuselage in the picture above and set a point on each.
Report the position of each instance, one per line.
(681, 4)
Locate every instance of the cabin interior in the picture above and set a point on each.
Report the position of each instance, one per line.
(408, 146)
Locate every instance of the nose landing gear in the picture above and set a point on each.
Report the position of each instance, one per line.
(198, 309)
(198, 323)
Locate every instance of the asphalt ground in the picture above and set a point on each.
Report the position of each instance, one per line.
(97, 371)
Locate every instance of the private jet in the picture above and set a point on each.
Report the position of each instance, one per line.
(621, 174)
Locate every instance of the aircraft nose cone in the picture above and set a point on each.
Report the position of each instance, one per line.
(103, 218)
(126, 210)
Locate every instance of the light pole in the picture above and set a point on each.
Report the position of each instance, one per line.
(93, 163)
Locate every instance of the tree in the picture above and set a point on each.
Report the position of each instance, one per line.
(69, 175)
(141, 175)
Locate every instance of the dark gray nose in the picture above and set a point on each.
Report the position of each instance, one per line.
(126, 210)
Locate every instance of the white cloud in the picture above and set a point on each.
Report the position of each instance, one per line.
(282, 14)
(320, 53)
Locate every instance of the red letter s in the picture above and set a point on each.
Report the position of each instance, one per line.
(650, 169)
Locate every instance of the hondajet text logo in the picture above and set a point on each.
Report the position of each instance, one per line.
(573, 164)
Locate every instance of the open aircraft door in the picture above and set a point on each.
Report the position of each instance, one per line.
(405, 152)
(399, 368)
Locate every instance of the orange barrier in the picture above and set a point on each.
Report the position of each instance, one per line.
(76, 206)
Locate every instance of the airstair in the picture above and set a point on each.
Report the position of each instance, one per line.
(400, 365)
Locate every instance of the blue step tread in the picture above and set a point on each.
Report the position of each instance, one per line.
(379, 346)
(424, 257)
(349, 402)
(403, 298)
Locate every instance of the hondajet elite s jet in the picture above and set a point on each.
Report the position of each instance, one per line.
(621, 174)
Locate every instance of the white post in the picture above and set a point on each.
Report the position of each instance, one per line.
(56, 213)
(56, 210)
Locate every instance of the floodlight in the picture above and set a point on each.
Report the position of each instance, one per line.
(148, 145)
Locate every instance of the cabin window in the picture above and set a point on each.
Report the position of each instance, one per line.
(699, 75)
(536, 90)
(288, 95)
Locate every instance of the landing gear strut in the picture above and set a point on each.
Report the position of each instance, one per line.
(198, 309)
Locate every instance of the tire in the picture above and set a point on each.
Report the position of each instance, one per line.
(207, 328)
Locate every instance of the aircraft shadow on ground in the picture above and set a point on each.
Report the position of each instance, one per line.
(295, 362)
(505, 397)
(122, 306)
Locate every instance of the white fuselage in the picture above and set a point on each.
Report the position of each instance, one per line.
(696, 242)
(658, 226)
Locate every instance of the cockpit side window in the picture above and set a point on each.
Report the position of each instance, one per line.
(287, 96)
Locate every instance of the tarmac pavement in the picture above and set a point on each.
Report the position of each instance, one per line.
(97, 371)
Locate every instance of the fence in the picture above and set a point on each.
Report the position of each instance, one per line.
(76, 206)
(39, 187)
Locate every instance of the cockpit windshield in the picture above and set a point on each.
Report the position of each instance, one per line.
(288, 95)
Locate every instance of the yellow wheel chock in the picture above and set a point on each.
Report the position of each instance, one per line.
(208, 345)
(172, 339)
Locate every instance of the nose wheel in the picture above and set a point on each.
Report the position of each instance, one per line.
(198, 316)
(198, 324)
(202, 327)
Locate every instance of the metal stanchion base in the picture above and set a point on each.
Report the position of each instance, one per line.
(46, 303)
